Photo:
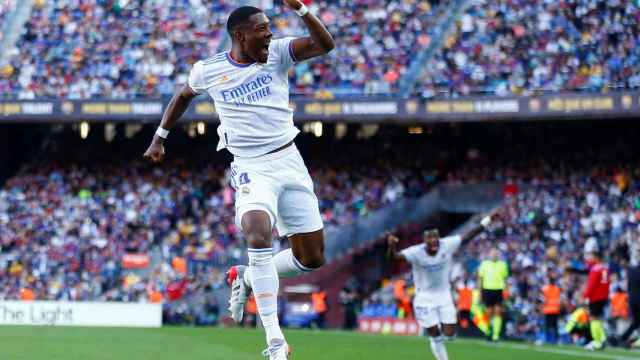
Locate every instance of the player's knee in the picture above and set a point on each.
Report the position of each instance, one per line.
(258, 239)
(313, 260)
(449, 334)
(433, 332)
(449, 331)
(256, 226)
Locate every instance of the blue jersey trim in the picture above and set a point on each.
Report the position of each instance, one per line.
(293, 57)
(237, 64)
(214, 59)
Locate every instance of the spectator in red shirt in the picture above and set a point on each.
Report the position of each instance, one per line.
(597, 295)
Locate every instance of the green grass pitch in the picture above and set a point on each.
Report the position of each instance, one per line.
(183, 343)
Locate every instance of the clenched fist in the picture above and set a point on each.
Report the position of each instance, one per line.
(392, 240)
(293, 4)
(155, 152)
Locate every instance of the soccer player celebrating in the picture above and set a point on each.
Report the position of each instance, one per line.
(250, 88)
(431, 264)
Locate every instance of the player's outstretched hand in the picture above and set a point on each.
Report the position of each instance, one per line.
(293, 4)
(392, 240)
(155, 152)
(496, 214)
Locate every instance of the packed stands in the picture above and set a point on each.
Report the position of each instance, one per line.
(376, 40)
(524, 47)
(113, 49)
(84, 49)
(129, 49)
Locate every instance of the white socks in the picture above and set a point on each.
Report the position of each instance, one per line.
(438, 348)
(264, 281)
(287, 265)
(262, 276)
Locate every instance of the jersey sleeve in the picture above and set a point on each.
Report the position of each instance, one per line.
(283, 53)
(452, 243)
(411, 253)
(196, 78)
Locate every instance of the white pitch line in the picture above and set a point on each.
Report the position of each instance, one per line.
(583, 354)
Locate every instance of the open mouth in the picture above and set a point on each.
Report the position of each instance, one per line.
(264, 50)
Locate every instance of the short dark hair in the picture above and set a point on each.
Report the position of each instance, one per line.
(239, 16)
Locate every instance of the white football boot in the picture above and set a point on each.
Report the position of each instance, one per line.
(239, 292)
(278, 350)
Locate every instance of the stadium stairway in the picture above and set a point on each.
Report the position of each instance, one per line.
(445, 27)
(13, 27)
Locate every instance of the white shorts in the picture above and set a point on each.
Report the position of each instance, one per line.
(430, 314)
(280, 185)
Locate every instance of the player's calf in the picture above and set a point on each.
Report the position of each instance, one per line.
(263, 276)
(306, 255)
(449, 332)
(436, 340)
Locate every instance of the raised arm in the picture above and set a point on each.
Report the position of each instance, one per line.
(480, 227)
(319, 43)
(177, 106)
(392, 251)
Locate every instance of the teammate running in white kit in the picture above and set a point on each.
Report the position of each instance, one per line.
(431, 264)
(250, 88)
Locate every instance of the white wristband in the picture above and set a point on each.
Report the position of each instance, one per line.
(163, 133)
(485, 222)
(302, 11)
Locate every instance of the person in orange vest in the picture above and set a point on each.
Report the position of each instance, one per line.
(252, 310)
(405, 308)
(27, 294)
(319, 302)
(620, 309)
(551, 307)
(399, 289)
(465, 299)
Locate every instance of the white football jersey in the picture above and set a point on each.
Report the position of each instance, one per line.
(252, 100)
(431, 274)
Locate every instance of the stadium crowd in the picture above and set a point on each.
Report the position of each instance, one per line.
(376, 41)
(524, 47)
(116, 49)
(122, 49)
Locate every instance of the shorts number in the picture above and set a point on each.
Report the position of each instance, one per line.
(422, 312)
(244, 179)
